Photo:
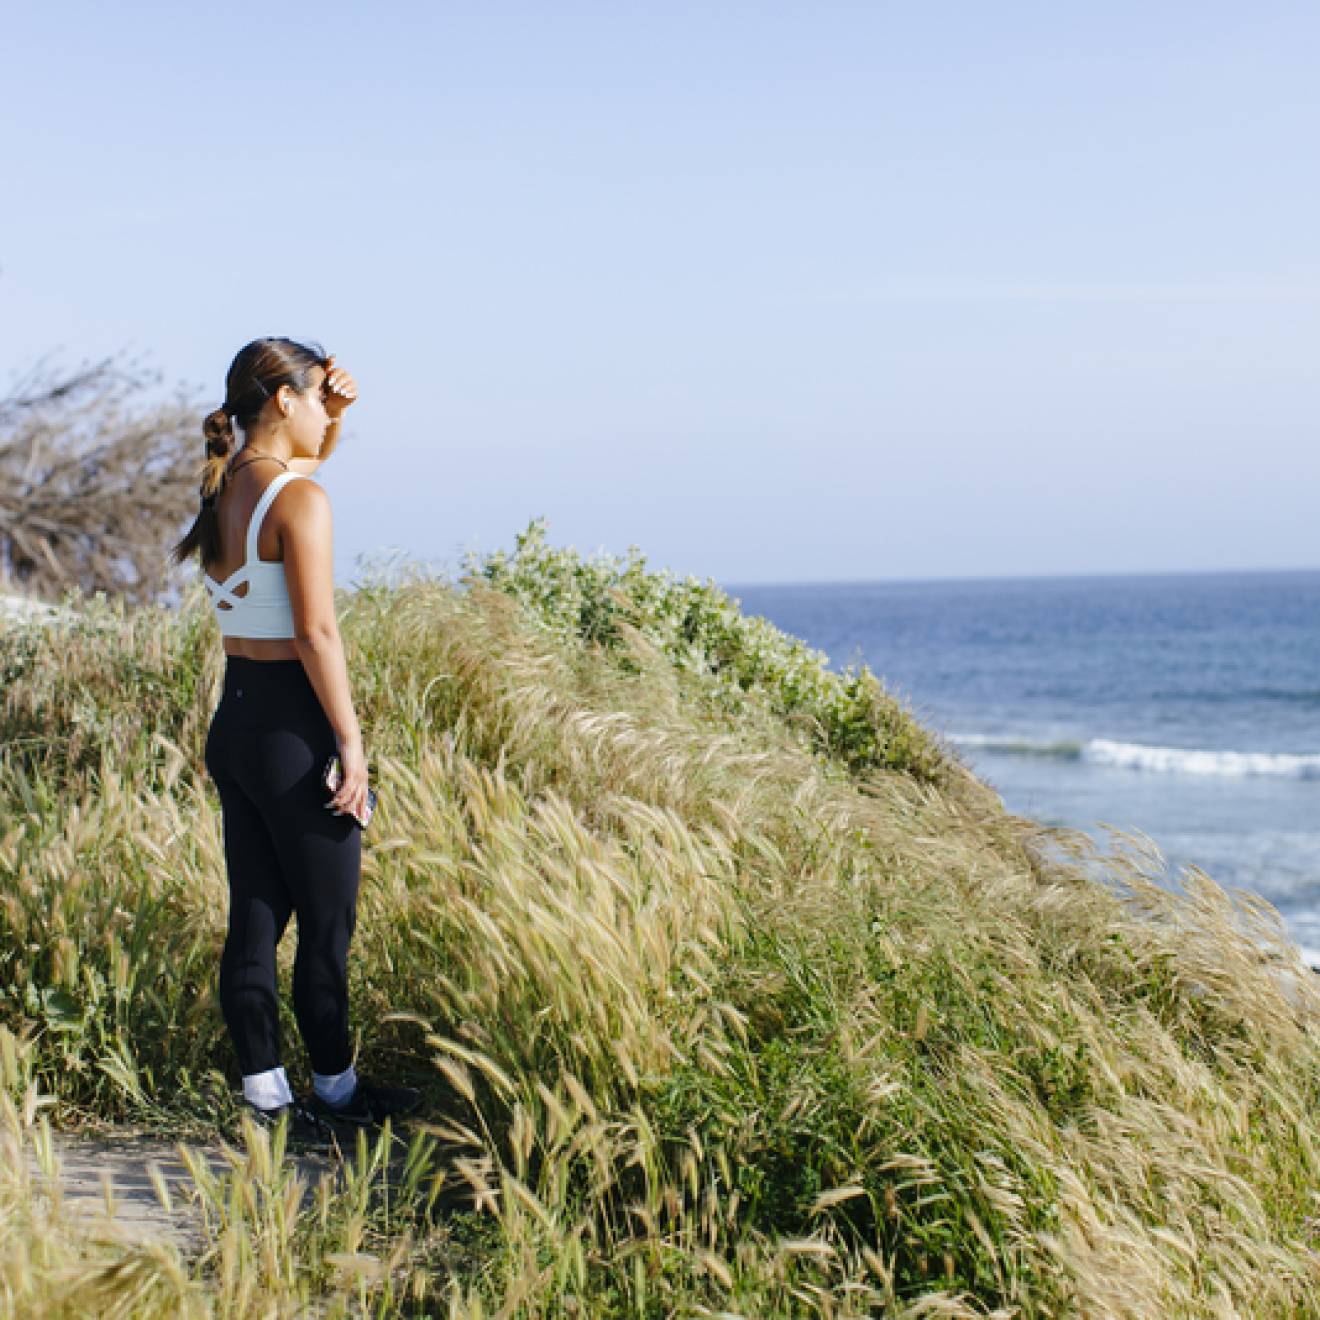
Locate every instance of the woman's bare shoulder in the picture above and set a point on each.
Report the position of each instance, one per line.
(303, 494)
(302, 505)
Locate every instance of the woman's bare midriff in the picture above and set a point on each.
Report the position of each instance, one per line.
(261, 648)
(235, 507)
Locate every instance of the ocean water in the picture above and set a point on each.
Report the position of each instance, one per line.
(1184, 706)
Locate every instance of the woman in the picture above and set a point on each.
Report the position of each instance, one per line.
(263, 536)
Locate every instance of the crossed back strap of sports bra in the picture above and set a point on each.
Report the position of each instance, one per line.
(224, 591)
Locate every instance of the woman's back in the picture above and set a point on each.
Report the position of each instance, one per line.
(271, 634)
(252, 600)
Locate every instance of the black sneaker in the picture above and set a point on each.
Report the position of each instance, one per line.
(305, 1127)
(370, 1103)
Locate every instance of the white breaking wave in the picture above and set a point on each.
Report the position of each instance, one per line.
(1164, 760)
(1194, 761)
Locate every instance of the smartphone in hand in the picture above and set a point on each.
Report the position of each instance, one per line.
(333, 775)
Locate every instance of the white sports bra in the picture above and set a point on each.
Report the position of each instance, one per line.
(265, 610)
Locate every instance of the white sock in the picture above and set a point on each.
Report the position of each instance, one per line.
(335, 1088)
(267, 1090)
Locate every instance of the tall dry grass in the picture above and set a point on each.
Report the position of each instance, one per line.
(722, 1005)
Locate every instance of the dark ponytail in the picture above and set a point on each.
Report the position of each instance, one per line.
(255, 375)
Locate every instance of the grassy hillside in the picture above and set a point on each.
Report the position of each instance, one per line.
(732, 990)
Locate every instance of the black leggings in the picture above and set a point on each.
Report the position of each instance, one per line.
(285, 853)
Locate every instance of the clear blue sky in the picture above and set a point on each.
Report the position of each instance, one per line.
(776, 292)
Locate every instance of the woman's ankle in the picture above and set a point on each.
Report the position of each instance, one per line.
(267, 1090)
(335, 1089)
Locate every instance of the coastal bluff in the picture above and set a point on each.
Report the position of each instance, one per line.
(730, 987)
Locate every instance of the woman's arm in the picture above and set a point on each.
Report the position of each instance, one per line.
(305, 530)
(338, 389)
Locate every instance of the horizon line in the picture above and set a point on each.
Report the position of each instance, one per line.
(1019, 577)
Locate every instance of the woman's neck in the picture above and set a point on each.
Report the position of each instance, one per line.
(269, 446)
(268, 440)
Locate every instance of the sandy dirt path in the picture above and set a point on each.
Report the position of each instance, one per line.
(124, 1162)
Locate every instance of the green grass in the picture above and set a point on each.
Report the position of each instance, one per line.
(731, 989)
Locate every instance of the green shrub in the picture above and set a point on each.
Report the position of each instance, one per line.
(737, 660)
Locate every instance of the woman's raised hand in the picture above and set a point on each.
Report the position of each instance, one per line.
(340, 389)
